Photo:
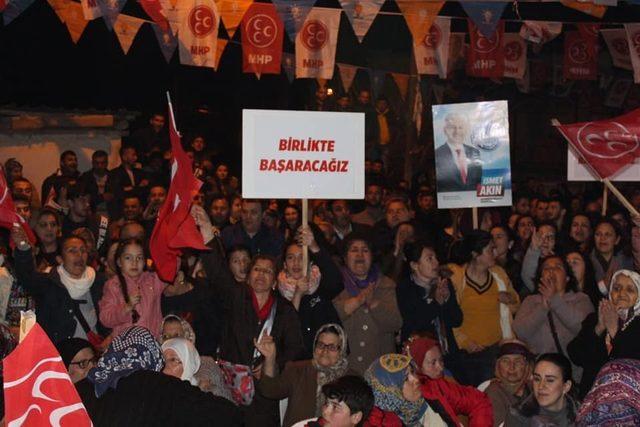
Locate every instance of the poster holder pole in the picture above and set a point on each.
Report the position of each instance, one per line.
(305, 248)
(605, 197)
(632, 210)
(474, 213)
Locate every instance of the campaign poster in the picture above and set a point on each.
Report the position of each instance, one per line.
(473, 165)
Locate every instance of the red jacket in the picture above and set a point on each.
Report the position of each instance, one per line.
(457, 400)
(380, 418)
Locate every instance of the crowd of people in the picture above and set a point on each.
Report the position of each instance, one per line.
(403, 315)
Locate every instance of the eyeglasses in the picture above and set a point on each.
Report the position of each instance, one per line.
(82, 364)
(262, 270)
(329, 347)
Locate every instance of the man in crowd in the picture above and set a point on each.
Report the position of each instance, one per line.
(219, 211)
(373, 212)
(66, 175)
(126, 178)
(251, 233)
(342, 222)
(151, 138)
(95, 179)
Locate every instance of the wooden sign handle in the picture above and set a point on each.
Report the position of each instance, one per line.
(305, 248)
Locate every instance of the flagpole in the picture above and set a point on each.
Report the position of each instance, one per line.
(608, 184)
(305, 248)
(474, 215)
(605, 197)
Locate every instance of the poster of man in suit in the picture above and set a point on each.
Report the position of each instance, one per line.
(473, 166)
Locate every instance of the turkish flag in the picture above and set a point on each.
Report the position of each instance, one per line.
(486, 54)
(8, 215)
(37, 387)
(580, 56)
(175, 228)
(606, 145)
(262, 37)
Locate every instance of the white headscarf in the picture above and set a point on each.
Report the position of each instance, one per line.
(629, 315)
(188, 355)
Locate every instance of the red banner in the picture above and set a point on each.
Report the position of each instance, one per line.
(580, 59)
(486, 55)
(262, 36)
(37, 387)
(606, 145)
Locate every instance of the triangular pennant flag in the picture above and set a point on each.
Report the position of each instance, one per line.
(232, 12)
(419, 16)
(347, 74)
(126, 28)
(3, 4)
(110, 10)
(589, 8)
(316, 44)
(293, 13)
(616, 39)
(167, 42)
(58, 7)
(540, 32)
(633, 40)
(153, 8)
(289, 65)
(485, 15)
(14, 8)
(402, 81)
(417, 106)
(91, 9)
(361, 14)
(172, 12)
(222, 44)
(74, 20)
(262, 36)
(377, 78)
(198, 33)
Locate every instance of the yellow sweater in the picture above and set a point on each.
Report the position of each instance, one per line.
(480, 308)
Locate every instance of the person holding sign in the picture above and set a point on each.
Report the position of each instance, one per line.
(458, 165)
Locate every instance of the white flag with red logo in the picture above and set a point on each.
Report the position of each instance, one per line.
(633, 39)
(198, 33)
(262, 37)
(540, 32)
(37, 387)
(616, 40)
(316, 44)
(606, 145)
(432, 52)
(515, 55)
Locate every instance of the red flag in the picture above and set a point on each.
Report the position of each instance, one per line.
(8, 215)
(262, 36)
(606, 145)
(580, 56)
(37, 387)
(153, 8)
(175, 228)
(3, 4)
(486, 54)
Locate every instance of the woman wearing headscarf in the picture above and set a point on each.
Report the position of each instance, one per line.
(614, 399)
(612, 332)
(367, 306)
(78, 356)
(127, 388)
(448, 398)
(181, 359)
(398, 398)
(301, 382)
(310, 294)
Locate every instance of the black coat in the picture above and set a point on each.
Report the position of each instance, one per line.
(54, 305)
(205, 311)
(148, 398)
(449, 178)
(589, 350)
(419, 311)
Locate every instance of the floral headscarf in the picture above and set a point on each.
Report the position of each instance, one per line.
(135, 349)
(631, 314)
(330, 373)
(386, 376)
(287, 285)
(186, 327)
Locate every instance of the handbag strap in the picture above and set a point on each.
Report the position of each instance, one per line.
(554, 333)
(78, 314)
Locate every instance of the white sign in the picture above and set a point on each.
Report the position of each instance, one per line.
(576, 171)
(302, 155)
